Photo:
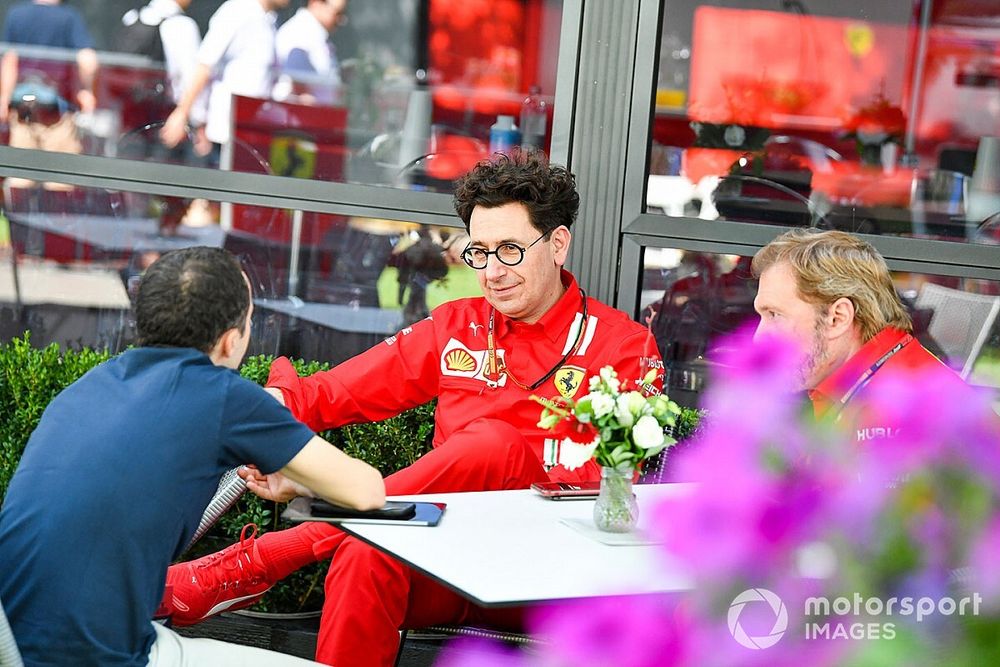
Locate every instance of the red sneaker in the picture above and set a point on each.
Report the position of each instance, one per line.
(229, 579)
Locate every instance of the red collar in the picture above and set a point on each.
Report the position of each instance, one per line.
(556, 320)
(829, 392)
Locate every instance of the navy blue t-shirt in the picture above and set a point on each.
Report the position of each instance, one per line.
(46, 25)
(110, 489)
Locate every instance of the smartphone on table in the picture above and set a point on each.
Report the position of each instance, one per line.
(393, 509)
(567, 490)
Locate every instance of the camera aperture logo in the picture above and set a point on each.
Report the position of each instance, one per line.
(856, 617)
(758, 595)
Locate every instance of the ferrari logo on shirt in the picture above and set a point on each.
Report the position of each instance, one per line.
(568, 380)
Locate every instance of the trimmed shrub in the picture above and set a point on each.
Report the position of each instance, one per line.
(29, 379)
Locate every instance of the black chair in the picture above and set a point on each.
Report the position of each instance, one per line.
(749, 198)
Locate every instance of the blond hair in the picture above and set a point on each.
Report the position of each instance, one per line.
(831, 265)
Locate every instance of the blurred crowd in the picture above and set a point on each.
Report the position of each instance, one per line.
(243, 52)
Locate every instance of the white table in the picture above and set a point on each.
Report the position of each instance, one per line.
(41, 282)
(363, 319)
(110, 233)
(507, 548)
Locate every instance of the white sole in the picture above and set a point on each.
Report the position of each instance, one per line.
(226, 604)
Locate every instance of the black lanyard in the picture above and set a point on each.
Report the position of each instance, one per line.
(497, 369)
(867, 376)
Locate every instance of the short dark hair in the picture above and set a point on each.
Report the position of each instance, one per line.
(190, 297)
(548, 191)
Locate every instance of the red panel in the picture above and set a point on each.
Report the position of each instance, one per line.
(782, 70)
(290, 140)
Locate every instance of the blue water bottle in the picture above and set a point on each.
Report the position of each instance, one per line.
(504, 135)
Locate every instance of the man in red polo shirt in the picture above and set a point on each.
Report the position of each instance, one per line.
(832, 292)
(534, 332)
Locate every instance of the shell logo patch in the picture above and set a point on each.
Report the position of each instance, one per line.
(568, 380)
(460, 360)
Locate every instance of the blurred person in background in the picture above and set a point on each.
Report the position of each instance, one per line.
(164, 32)
(307, 62)
(236, 57)
(42, 118)
(419, 264)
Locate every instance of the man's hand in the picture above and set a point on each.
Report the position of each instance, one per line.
(86, 100)
(174, 130)
(202, 146)
(274, 487)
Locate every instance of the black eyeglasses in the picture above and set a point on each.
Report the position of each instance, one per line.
(510, 254)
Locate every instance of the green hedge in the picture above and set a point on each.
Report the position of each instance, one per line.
(30, 378)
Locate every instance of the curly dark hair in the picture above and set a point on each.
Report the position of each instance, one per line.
(548, 191)
(190, 297)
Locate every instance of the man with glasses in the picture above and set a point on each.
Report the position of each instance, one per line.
(533, 332)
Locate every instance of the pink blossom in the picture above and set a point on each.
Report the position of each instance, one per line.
(465, 652)
(895, 516)
(642, 631)
(985, 575)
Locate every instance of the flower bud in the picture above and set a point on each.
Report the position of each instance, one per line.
(647, 432)
(637, 404)
(623, 412)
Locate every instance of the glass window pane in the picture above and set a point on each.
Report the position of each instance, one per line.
(399, 95)
(868, 117)
(71, 259)
(693, 297)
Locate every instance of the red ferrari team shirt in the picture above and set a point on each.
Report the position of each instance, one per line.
(446, 356)
(891, 354)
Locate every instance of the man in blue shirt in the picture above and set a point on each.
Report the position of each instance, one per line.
(114, 480)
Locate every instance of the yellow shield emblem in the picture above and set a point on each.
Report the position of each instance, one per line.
(293, 156)
(568, 380)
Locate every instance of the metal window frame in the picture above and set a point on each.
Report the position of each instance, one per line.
(608, 42)
(293, 193)
(641, 229)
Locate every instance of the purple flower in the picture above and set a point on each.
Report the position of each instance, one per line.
(641, 631)
(752, 385)
(938, 419)
(465, 652)
(802, 510)
(985, 575)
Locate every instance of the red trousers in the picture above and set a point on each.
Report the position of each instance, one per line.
(370, 596)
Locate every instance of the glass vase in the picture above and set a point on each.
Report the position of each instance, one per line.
(616, 510)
